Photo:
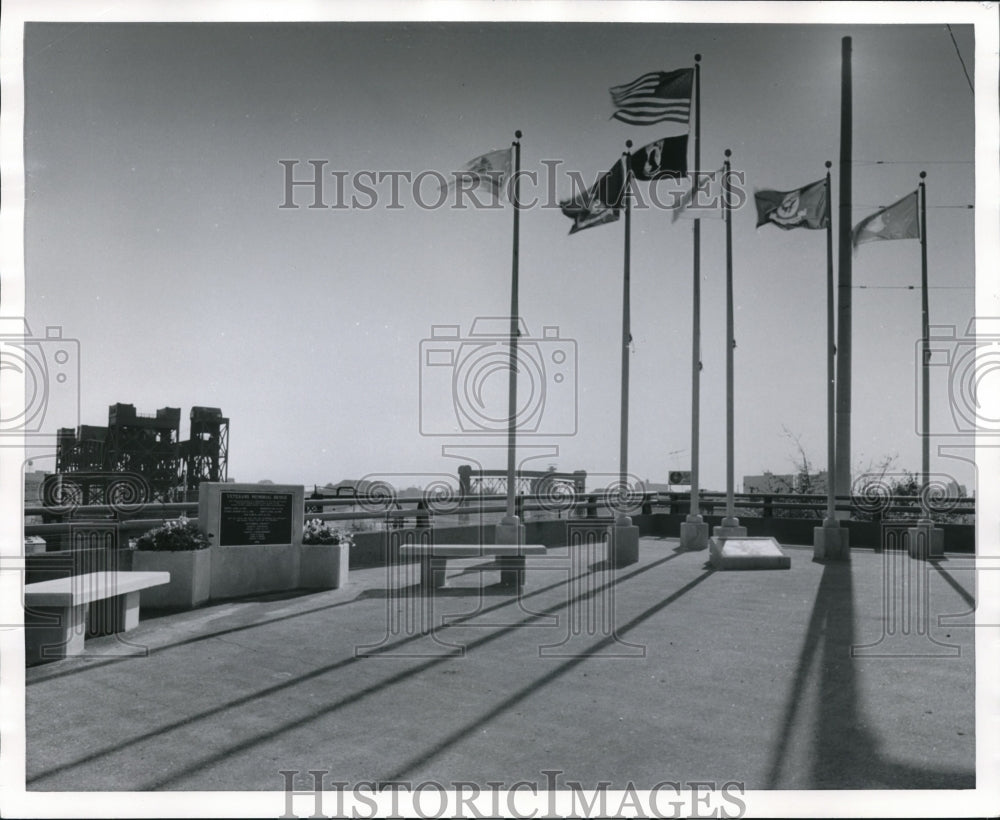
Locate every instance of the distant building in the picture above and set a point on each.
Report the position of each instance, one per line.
(785, 483)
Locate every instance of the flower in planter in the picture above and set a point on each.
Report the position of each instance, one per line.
(174, 536)
(319, 532)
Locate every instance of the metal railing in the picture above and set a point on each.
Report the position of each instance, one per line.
(423, 511)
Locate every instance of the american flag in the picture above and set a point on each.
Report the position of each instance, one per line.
(655, 97)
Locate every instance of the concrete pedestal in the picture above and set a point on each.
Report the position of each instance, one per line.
(729, 528)
(623, 544)
(694, 533)
(926, 540)
(831, 542)
(509, 531)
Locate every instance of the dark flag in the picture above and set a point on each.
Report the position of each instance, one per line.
(807, 207)
(663, 159)
(898, 221)
(599, 205)
(655, 97)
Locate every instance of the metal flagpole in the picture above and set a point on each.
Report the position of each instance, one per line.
(693, 533)
(511, 518)
(925, 378)
(730, 345)
(831, 541)
(626, 325)
(844, 309)
(831, 441)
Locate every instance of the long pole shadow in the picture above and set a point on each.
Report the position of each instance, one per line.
(844, 754)
(550, 677)
(340, 704)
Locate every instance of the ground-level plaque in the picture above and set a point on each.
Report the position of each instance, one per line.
(754, 552)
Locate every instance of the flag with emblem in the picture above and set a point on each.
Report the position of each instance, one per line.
(601, 204)
(807, 207)
(490, 171)
(897, 221)
(663, 159)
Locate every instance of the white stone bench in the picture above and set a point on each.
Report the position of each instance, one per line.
(434, 560)
(55, 612)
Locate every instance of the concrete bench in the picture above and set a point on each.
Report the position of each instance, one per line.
(55, 612)
(434, 560)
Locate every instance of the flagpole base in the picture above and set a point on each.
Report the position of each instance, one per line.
(623, 542)
(831, 542)
(729, 528)
(926, 540)
(694, 533)
(509, 530)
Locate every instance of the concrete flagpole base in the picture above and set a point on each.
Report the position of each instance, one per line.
(694, 533)
(926, 540)
(831, 542)
(729, 528)
(509, 530)
(623, 543)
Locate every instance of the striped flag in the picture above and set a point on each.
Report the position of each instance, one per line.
(806, 207)
(898, 221)
(660, 96)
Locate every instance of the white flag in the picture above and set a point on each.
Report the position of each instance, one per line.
(491, 170)
(703, 198)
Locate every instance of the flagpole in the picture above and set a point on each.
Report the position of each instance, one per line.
(844, 293)
(925, 378)
(729, 527)
(511, 519)
(831, 541)
(626, 331)
(831, 440)
(694, 533)
(623, 536)
(731, 520)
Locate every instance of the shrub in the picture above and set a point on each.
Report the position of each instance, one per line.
(319, 532)
(173, 536)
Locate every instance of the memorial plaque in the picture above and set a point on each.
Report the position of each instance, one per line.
(255, 518)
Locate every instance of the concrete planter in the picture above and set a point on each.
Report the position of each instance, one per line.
(190, 577)
(323, 566)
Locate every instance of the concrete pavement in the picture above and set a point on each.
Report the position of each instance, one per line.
(820, 676)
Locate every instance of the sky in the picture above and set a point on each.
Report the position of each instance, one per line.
(154, 236)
